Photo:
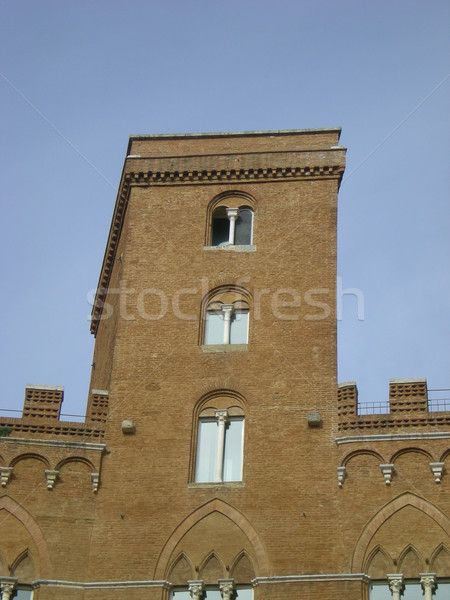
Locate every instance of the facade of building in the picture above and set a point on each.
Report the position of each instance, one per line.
(219, 457)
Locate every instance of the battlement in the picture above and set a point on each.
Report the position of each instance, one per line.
(42, 411)
(408, 406)
(43, 401)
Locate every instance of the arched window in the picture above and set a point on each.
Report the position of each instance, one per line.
(225, 317)
(220, 442)
(226, 323)
(218, 438)
(232, 226)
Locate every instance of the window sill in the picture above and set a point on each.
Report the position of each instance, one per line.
(223, 347)
(216, 484)
(232, 248)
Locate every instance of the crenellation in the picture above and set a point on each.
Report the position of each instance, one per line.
(408, 408)
(42, 401)
(408, 395)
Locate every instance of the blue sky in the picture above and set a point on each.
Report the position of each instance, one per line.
(77, 78)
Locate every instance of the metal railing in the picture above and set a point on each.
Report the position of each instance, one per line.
(439, 399)
(373, 408)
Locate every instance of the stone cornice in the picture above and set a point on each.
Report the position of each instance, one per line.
(241, 168)
(282, 579)
(311, 578)
(55, 443)
(392, 437)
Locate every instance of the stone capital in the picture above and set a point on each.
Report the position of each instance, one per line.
(232, 213)
(226, 587)
(7, 585)
(196, 589)
(395, 584)
(227, 309)
(221, 415)
(428, 580)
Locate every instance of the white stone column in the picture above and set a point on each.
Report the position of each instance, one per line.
(226, 587)
(227, 310)
(395, 585)
(196, 589)
(7, 585)
(222, 418)
(428, 581)
(232, 214)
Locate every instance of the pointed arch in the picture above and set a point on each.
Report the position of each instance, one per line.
(410, 561)
(378, 563)
(212, 568)
(17, 511)
(406, 499)
(231, 513)
(440, 560)
(181, 570)
(242, 570)
(23, 567)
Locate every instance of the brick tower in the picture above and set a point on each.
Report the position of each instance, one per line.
(219, 459)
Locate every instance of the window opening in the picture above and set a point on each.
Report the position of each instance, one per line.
(240, 592)
(22, 593)
(219, 448)
(410, 590)
(232, 226)
(226, 325)
(244, 223)
(220, 227)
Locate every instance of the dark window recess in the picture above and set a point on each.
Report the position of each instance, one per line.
(220, 227)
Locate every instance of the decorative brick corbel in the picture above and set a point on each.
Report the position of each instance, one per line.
(388, 471)
(226, 587)
(51, 476)
(5, 473)
(95, 479)
(196, 589)
(342, 475)
(437, 469)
